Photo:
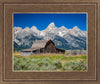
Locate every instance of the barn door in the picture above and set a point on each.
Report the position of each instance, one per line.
(50, 48)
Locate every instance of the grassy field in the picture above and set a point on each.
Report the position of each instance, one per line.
(50, 62)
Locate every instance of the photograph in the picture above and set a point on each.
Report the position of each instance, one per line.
(50, 42)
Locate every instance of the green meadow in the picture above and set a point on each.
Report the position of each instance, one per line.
(49, 62)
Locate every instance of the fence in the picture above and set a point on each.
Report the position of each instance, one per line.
(76, 52)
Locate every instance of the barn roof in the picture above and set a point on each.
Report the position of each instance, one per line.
(39, 43)
(30, 49)
(60, 49)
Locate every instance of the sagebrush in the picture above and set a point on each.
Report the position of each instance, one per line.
(48, 64)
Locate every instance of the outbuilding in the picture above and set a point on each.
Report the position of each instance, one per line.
(42, 46)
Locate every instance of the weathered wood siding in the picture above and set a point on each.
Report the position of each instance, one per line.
(45, 47)
(25, 53)
(50, 48)
(60, 51)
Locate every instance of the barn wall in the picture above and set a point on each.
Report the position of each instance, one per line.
(60, 51)
(26, 53)
(50, 48)
(38, 51)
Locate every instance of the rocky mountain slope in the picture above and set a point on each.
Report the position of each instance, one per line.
(62, 37)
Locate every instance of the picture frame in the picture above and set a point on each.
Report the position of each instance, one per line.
(92, 8)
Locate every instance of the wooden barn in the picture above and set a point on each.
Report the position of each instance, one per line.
(42, 46)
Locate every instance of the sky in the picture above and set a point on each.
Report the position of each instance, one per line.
(42, 20)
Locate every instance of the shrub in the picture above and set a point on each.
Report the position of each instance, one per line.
(57, 63)
(27, 63)
(66, 66)
(77, 66)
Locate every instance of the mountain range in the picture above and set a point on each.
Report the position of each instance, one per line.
(62, 37)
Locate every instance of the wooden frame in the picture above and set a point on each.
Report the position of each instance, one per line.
(7, 7)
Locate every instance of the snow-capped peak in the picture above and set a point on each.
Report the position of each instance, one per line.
(26, 28)
(75, 28)
(63, 27)
(51, 24)
(17, 28)
(34, 28)
(51, 28)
